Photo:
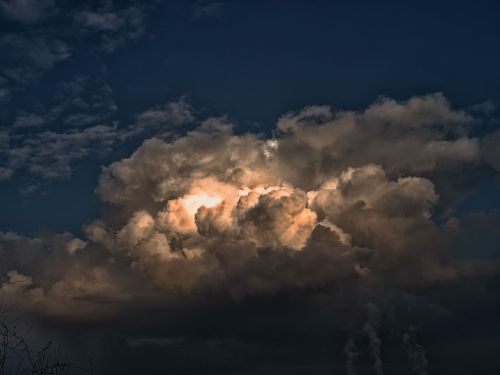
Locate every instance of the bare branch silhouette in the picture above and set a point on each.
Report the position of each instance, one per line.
(18, 357)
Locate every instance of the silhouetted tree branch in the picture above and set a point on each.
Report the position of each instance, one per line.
(18, 357)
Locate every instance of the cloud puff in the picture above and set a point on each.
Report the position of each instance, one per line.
(419, 136)
(160, 119)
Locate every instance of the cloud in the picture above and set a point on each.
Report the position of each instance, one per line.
(160, 119)
(421, 135)
(80, 123)
(27, 57)
(416, 353)
(38, 52)
(207, 9)
(26, 120)
(51, 32)
(242, 214)
(82, 102)
(490, 146)
(50, 154)
(115, 25)
(5, 173)
(27, 11)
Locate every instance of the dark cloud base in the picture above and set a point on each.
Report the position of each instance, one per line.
(288, 335)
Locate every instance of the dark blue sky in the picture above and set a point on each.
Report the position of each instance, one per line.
(250, 60)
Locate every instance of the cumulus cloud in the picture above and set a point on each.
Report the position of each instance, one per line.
(323, 205)
(419, 136)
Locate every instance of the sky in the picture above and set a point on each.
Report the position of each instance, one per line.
(253, 187)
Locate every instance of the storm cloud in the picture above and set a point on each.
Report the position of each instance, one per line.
(336, 203)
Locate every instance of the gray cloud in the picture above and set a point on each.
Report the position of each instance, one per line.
(39, 46)
(51, 154)
(206, 9)
(27, 11)
(39, 52)
(41, 143)
(80, 124)
(27, 120)
(27, 58)
(160, 120)
(416, 353)
(5, 173)
(490, 147)
(114, 24)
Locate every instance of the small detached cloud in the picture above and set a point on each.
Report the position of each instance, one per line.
(164, 118)
(52, 31)
(113, 24)
(28, 120)
(207, 9)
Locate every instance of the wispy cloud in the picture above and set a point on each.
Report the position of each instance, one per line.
(114, 25)
(28, 11)
(207, 9)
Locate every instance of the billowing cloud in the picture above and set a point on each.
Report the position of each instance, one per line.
(339, 203)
